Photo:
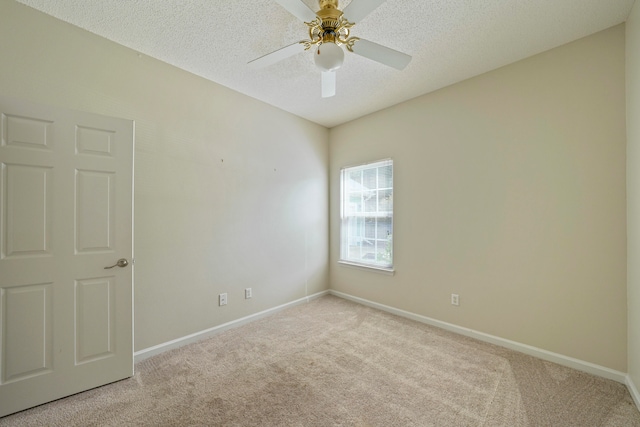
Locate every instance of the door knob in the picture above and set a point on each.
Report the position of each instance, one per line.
(122, 262)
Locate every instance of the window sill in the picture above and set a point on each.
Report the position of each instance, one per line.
(382, 270)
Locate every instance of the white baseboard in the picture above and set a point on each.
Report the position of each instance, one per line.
(633, 390)
(179, 342)
(560, 359)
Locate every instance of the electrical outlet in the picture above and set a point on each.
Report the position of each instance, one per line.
(222, 298)
(455, 299)
(247, 293)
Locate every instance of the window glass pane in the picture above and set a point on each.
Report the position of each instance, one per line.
(384, 228)
(384, 252)
(354, 181)
(369, 179)
(370, 229)
(385, 176)
(385, 240)
(368, 253)
(356, 229)
(385, 201)
(354, 204)
(354, 250)
(370, 201)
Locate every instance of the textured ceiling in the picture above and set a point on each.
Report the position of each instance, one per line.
(450, 40)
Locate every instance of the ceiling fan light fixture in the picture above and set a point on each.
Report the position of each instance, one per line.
(329, 30)
(329, 56)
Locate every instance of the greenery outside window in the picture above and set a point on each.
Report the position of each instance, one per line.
(366, 206)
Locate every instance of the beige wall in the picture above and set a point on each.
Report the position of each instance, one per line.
(229, 192)
(633, 190)
(509, 191)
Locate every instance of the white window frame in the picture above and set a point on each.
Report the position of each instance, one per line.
(354, 218)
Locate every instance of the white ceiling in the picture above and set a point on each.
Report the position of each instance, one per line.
(450, 40)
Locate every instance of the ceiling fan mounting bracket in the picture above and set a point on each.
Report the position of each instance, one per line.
(328, 4)
(330, 26)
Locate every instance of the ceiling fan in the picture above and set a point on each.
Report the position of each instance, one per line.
(329, 29)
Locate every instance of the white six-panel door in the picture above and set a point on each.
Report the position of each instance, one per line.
(65, 214)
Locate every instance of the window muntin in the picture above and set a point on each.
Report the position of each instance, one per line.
(366, 231)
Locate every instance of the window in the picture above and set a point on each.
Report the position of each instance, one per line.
(366, 206)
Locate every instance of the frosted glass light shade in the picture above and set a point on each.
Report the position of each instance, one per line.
(329, 56)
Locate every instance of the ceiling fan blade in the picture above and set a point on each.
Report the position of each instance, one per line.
(358, 9)
(278, 55)
(328, 84)
(381, 54)
(298, 9)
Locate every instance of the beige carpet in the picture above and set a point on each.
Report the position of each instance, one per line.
(335, 363)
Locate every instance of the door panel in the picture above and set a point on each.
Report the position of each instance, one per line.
(26, 132)
(27, 336)
(26, 197)
(96, 142)
(66, 185)
(95, 319)
(94, 200)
